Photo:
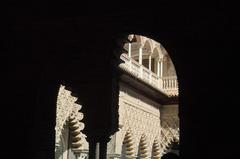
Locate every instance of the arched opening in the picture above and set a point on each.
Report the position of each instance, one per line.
(41, 62)
(146, 103)
(149, 63)
(146, 52)
(155, 57)
(70, 142)
(148, 59)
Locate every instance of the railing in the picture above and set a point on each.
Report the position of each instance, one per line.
(146, 74)
(156, 81)
(167, 85)
(170, 85)
(135, 67)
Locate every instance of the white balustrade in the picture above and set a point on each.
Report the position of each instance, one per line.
(136, 68)
(146, 74)
(168, 85)
(155, 80)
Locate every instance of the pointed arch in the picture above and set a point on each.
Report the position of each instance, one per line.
(156, 53)
(68, 114)
(147, 48)
(146, 52)
(155, 56)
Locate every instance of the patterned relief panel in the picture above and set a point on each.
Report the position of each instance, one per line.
(169, 133)
(68, 117)
(141, 116)
(170, 126)
(153, 126)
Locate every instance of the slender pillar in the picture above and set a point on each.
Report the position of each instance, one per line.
(103, 150)
(150, 67)
(140, 61)
(130, 55)
(161, 68)
(158, 68)
(129, 50)
(150, 63)
(160, 72)
(97, 151)
(93, 150)
(140, 55)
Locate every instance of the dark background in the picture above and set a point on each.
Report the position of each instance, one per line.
(51, 43)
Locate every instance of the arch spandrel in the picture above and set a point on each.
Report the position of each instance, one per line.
(156, 53)
(147, 48)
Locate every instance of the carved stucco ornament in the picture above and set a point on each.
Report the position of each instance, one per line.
(68, 111)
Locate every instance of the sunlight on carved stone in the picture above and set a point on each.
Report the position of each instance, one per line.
(70, 141)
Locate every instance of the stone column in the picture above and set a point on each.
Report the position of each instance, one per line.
(161, 68)
(150, 63)
(97, 151)
(103, 150)
(160, 72)
(130, 55)
(140, 61)
(98, 147)
(150, 68)
(129, 50)
(140, 55)
(93, 149)
(158, 68)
